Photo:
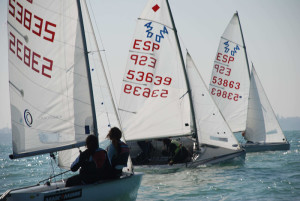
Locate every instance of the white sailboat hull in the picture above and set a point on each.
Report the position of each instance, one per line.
(125, 188)
(258, 147)
(215, 155)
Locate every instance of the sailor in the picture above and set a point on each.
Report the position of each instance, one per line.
(93, 163)
(177, 152)
(118, 151)
(145, 155)
(244, 135)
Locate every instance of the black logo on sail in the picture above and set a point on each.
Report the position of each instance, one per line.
(28, 118)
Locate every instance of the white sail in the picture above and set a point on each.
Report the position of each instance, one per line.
(262, 124)
(229, 85)
(212, 129)
(154, 102)
(46, 60)
(104, 105)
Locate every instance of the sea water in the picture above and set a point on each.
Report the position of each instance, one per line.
(273, 175)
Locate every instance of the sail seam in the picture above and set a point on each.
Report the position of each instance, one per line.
(221, 63)
(149, 53)
(232, 41)
(156, 22)
(134, 82)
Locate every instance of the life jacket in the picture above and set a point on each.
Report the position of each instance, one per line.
(122, 157)
(178, 145)
(97, 165)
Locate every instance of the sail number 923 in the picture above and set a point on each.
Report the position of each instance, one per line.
(146, 92)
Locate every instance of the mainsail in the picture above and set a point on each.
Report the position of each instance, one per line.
(243, 103)
(51, 106)
(229, 85)
(262, 124)
(212, 129)
(154, 100)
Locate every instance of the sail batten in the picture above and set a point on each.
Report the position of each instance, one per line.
(51, 108)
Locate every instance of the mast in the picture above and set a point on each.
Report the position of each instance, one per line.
(106, 79)
(109, 89)
(244, 44)
(185, 74)
(88, 68)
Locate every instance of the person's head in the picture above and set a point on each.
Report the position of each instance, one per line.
(172, 148)
(114, 134)
(92, 142)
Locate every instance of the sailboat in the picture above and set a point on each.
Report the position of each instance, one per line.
(240, 96)
(55, 103)
(160, 98)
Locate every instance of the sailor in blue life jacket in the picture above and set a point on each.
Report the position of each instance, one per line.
(93, 163)
(117, 151)
(177, 152)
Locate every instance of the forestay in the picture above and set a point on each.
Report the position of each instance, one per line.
(229, 85)
(212, 129)
(50, 100)
(104, 103)
(154, 102)
(262, 124)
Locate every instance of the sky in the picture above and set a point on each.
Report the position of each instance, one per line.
(271, 31)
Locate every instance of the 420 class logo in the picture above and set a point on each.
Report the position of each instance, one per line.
(159, 36)
(28, 118)
(234, 51)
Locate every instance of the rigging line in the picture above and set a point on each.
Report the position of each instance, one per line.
(95, 61)
(103, 71)
(112, 88)
(54, 176)
(53, 171)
